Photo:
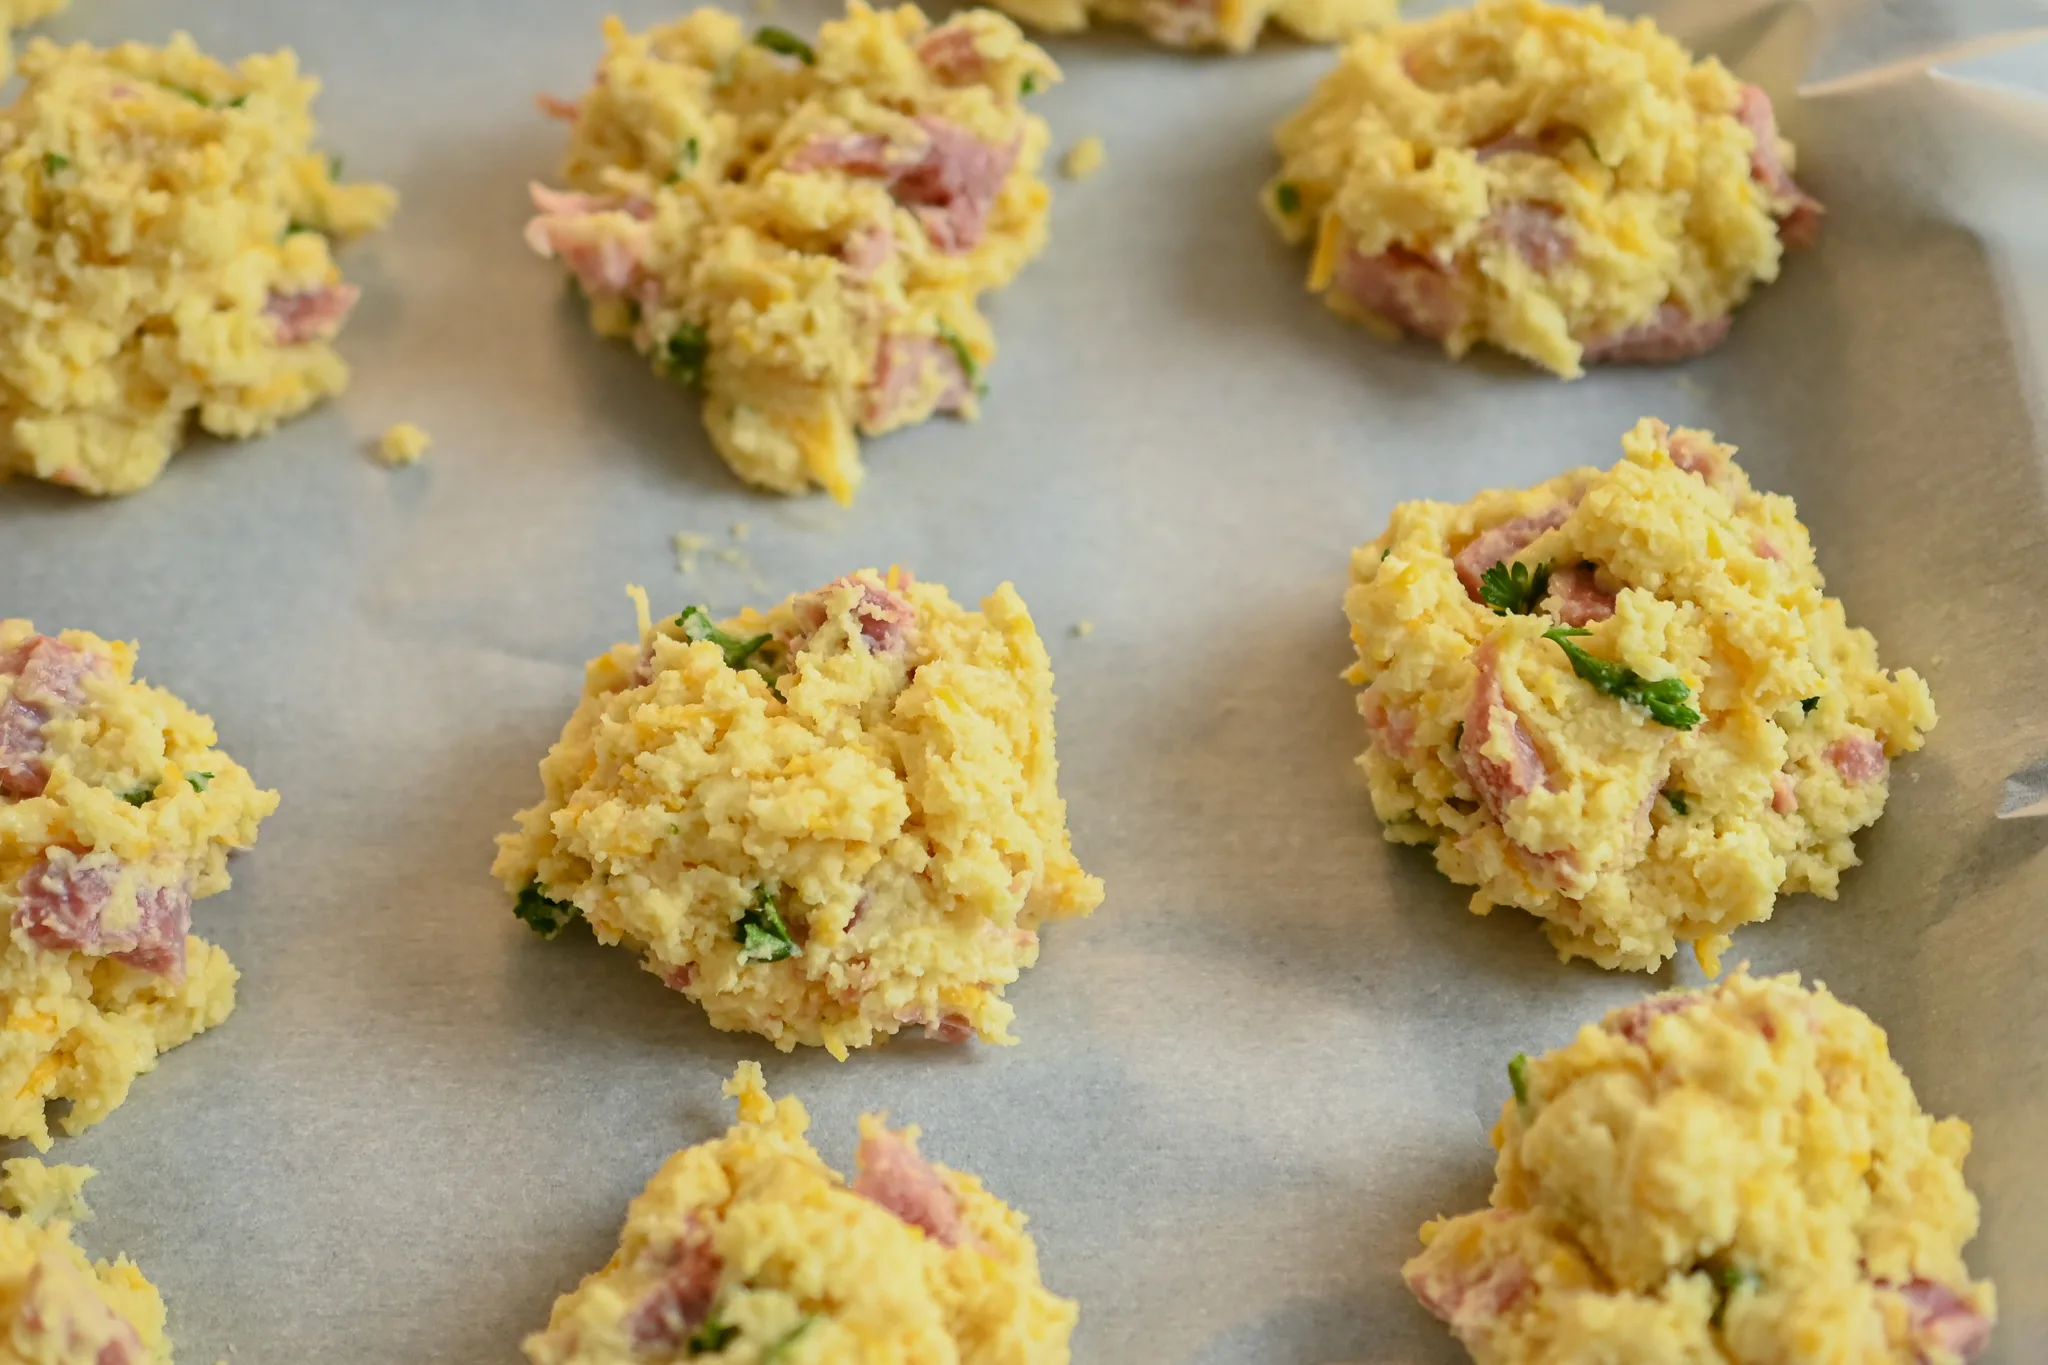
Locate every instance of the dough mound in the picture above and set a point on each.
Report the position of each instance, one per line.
(168, 260)
(1734, 1175)
(1233, 25)
(57, 1307)
(823, 823)
(116, 813)
(802, 230)
(16, 14)
(1561, 184)
(749, 1249)
(1626, 833)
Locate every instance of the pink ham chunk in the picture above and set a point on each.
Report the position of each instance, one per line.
(1470, 1296)
(884, 617)
(901, 365)
(1799, 224)
(1784, 796)
(680, 1301)
(22, 772)
(1671, 334)
(950, 182)
(1497, 782)
(1633, 1021)
(606, 255)
(1943, 1324)
(554, 106)
(1697, 455)
(1576, 597)
(949, 53)
(1510, 143)
(1392, 727)
(1404, 287)
(867, 249)
(1499, 543)
(62, 1317)
(62, 907)
(1857, 758)
(896, 1177)
(949, 1027)
(48, 679)
(311, 314)
(1535, 232)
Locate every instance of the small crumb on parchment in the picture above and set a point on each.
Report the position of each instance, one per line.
(740, 531)
(1084, 158)
(688, 546)
(403, 444)
(43, 1194)
(1083, 629)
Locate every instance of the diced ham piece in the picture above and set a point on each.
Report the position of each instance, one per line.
(1766, 548)
(1944, 1325)
(554, 106)
(1536, 232)
(1498, 782)
(574, 203)
(1179, 23)
(1857, 758)
(311, 314)
(1799, 225)
(605, 256)
(680, 978)
(947, 1028)
(1633, 1021)
(679, 1302)
(867, 249)
(1404, 287)
(1575, 596)
(21, 749)
(884, 617)
(1672, 334)
(1504, 542)
(896, 1177)
(1696, 455)
(949, 53)
(950, 182)
(49, 677)
(901, 365)
(1784, 796)
(1392, 727)
(65, 1319)
(1468, 1296)
(62, 907)
(1507, 143)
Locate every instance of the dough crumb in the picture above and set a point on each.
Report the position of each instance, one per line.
(41, 1193)
(1083, 629)
(740, 530)
(1084, 158)
(403, 444)
(688, 546)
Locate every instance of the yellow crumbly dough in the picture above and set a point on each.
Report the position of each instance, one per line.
(750, 1250)
(1084, 158)
(804, 231)
(15, 14)
(56, 1306)
(1233, 25)
(167, 261)
(1564, 185)
(116, 812)
(1739, 1175)
(1626, 835)
(403, 444)
(822, 823)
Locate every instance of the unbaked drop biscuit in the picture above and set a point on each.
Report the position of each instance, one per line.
(56, 1306)
(1232, 25)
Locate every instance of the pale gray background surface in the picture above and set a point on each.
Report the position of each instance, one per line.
(1274, 1051)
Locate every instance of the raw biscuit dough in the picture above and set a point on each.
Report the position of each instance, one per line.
(1626, 835)
(750, 1250)
(1564, 185)
(822, 823)
(168, 262)
(1233, 25)
(116, 813)
(56, 1306)
(804, 231)
(1737, 1176)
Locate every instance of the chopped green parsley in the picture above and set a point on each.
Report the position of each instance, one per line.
(542, 913)
(1514, 589)
(685, 353)
(696, 624)
(788, 44)
(762, 935)
(1664, 700)
(1287, 197)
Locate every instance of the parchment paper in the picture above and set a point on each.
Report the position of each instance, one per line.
(1276, 1048)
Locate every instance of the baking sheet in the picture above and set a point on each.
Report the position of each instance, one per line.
(1275, 1049)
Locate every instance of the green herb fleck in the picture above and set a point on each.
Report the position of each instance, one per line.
(334, 168)
(1029, 85)
(784, 1343)
(968, 368)
(543, 914)
(140, 797)
(697, 624)
(188, 92)
(685, 352)
(1664, 700)
(1514, 588)
(762, 935)
(1677, 800)
(238, 101)
(199, 780)
(712, 1336)
(53, 163)
(1287, 197)
(1518, 1077)
(1807, 704)
(691, 151)
(788, 44)
(1733, 1280)
(295, 227)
